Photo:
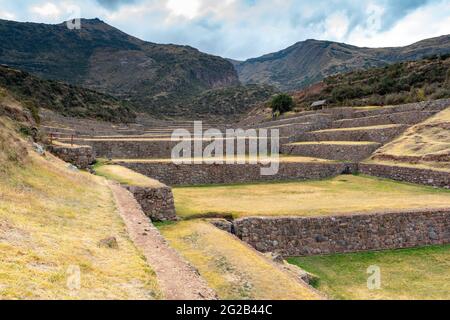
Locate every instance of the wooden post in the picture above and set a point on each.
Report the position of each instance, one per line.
(71, 140)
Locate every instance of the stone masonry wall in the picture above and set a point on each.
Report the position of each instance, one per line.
(79, 156)
(380, 135)
(411, 117)
(144, 148)
(199, 174)
(407, 174)
(304, 236)
(344, 152)
(156, 202)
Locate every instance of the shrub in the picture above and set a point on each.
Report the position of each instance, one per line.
(281, 103)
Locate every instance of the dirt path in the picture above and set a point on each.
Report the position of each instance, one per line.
(177, 278)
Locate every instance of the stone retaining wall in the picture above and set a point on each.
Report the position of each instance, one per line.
(343, 152)
(380, 135)
(79, 156)
(200, 174)
(156, 202)
(407, 174)
(144, 149)
(303, 236)
(410, 118)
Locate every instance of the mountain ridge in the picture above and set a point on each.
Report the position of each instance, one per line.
(154, 77)
(310, 61)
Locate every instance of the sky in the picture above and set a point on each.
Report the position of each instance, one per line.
(241, 29)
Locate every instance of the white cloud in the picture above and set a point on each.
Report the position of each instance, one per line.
(336, 26)
(426, 22)
(7, 15)
(185, 8)
(47, 10)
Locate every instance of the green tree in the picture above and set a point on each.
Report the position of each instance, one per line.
(281, 103)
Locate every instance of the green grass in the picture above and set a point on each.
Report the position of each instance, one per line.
(419, 273)
(341, 195)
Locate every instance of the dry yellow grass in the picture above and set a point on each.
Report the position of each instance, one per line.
(386, 126)
(52, 218)
(340, 195)
(230, 267)
(422, 144)
(356, 143)
(126, 176)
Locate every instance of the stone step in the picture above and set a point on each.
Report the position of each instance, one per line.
(409, 117)
(381, 134)
(332, 150)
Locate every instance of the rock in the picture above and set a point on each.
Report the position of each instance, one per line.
(110, 243)
(71, 167)
(38, 148)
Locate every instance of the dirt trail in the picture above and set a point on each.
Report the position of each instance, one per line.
(177, 278)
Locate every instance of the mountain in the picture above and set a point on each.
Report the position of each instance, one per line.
(65, 99)
(156, 78)
(310, 61)
(230, 102)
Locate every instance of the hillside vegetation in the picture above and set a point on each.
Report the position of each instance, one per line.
(65, 99)
(228, 102)
(310, 61)
(51, 222)
(405, 82)
(157, 78)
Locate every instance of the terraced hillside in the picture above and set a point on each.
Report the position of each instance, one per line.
(50, 230)
(426, 144)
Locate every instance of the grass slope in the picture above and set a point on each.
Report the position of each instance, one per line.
(426, 144)
(230, 267)
(52, 218)
(420, 273)
(343, 194)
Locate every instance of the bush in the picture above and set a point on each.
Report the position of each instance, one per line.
(281, 103)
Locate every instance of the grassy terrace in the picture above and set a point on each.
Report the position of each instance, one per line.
(125, 176)
(341, 195)
(230, 267)
(356, 143)
(386, 126)
(52, 218)
(419, 273)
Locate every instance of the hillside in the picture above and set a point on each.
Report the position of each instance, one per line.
(50, 228)
(310, 61)
(404, 82)
(156, 78)
(229, 102)
(65, 99)
(426, 145)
